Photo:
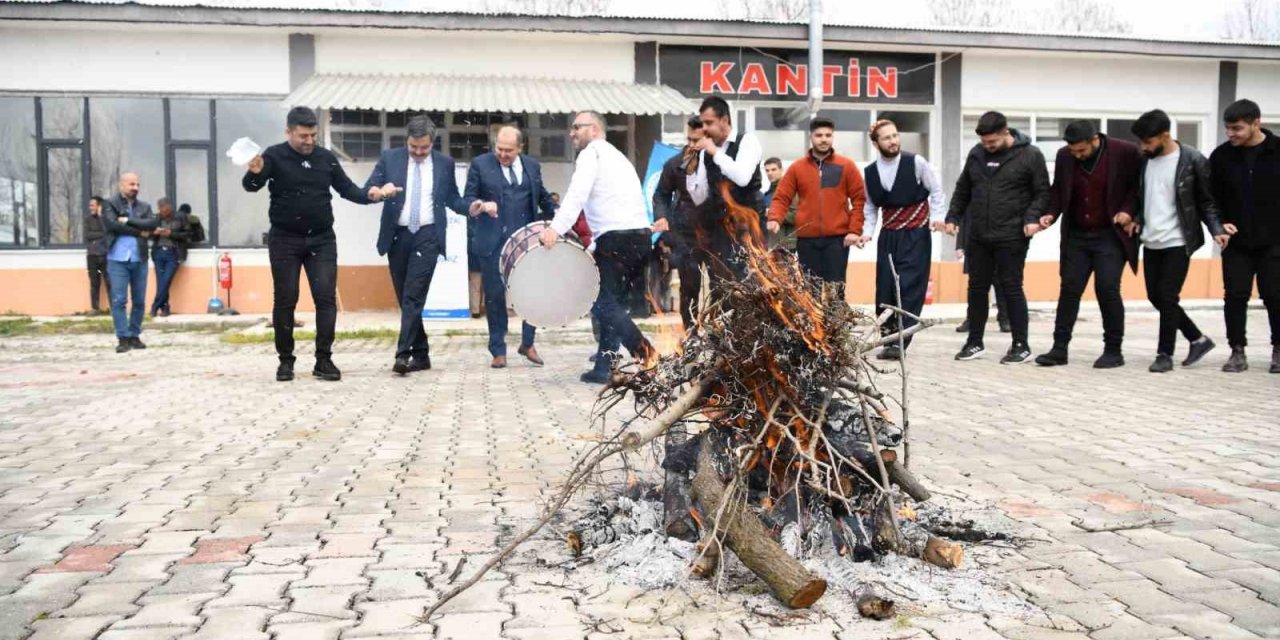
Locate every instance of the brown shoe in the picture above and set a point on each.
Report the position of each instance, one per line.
(531, 353)
(499, 362)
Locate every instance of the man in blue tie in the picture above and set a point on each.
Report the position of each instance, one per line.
(413, 230)
(507, 193)
(127, 222)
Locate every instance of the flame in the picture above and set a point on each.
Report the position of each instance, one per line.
(907, 513)
(697, 517)
(668, 339)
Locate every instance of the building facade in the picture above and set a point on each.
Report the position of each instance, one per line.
(175, 86)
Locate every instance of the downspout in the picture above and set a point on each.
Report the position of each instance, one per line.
(815, 58)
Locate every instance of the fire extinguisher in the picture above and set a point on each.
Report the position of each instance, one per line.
(225, 281)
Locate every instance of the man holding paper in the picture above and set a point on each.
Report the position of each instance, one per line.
(299, 174)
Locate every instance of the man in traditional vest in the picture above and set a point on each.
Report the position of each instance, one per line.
(907, 190)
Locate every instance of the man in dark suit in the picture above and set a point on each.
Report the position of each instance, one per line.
(413, 229)
(506, 189)
(1095, 184)
(673, 211)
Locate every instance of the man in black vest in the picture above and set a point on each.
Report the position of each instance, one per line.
(673, 211)
(732, 157)
(508, 186)
(906, 188)
(1095, 185)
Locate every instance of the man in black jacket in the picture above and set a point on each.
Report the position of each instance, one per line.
(1173, 201)
(1095, 183)
(1001, 195)
(1245, 174)
(672, 212)
(299, 173)
(127, 222)
(96, 253)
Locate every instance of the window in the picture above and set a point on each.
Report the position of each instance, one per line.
(189, 119)
(19, 222)
(62, 118)
(361, 135)
(125, 137)
(1049, 132)
(1189, 133)
(66, 197)
(1121, 129)
(242, 216)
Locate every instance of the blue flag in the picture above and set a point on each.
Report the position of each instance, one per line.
(658, 157)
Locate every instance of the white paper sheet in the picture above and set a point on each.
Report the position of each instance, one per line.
(242, 151)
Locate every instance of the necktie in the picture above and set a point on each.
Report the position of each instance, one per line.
(511, 175)
(415, 207)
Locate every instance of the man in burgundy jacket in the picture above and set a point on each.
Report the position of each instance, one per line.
(1095, 184)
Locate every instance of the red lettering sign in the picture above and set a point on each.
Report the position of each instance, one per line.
(829, 73)
(715, 79)
(754, 80)
(855, 78)
(792, 80)
(882, 82)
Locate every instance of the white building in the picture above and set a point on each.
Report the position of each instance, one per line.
(162, 87)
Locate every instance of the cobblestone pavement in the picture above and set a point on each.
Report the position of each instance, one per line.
(180, 492)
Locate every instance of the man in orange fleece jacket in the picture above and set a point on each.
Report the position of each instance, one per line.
(829, 215)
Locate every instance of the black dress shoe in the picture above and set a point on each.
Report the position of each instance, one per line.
(1162, 364)
(401, 366)
(135, 343)
(284, 372)
(1055, 357)
(123, 345)
(420, 364)
(595, 376)
(326, 370)
(964, 327)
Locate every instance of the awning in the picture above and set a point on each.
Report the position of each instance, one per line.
(485, 93)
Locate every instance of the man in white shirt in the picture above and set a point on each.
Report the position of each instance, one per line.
(725, 156)
(1174, 199)
(908, 190)
(606, 187)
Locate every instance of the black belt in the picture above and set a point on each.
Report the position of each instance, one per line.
(628, 232)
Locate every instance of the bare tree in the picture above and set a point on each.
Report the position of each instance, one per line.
(972, 13)
(550, 7)
(1085, 16)
(1257, 20)
(776, 10)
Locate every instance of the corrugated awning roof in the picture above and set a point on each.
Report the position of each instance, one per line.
(485, 93)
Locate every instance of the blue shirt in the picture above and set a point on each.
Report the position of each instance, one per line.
(125, 248)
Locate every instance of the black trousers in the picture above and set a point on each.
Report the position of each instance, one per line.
(999, 263)
(912, 253)
(412, 260)
(289, 254)
(620, 256)
(1241, 265)
(1101, 255)
(825, 257)
(1165, 270)
(97, 267)
(684, 259)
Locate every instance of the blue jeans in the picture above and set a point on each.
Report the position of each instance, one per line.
(166, 261)
(495, 300)
(127, 279)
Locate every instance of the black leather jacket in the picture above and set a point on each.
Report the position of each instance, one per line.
(1193, 200)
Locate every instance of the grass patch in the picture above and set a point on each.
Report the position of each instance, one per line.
(25, 326)
(15, 326)
(302, 336)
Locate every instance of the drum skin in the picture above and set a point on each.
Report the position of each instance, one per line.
(548, 287)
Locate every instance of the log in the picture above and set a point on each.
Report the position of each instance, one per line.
(675, 494)
(940, 553)
(902, 477)
(708, 558)
(743, 533)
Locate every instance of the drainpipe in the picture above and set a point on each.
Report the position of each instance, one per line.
(815, 58)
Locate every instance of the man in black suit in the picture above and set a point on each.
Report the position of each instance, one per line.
(412, 234)
(673, 215)
(506, 190)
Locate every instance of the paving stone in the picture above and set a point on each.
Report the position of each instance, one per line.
(167, 611)
(245, 623)
(1245, 609)
(82, 628)
(107, 600)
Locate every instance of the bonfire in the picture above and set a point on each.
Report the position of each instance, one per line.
(769, 426)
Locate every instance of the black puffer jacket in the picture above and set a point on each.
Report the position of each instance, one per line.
(997, 194)
(1228, 169)
(1194, 200)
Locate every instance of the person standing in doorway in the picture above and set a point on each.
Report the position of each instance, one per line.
(905, 187)
(96, 254)
(299, 174)
(606, 187)
(1095, 183)
(412, 232)
(1174, 199)
(168, 250)
(1002, 192)
(127, 223)
(508, 186)
(829, 215)
(1245, 173)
